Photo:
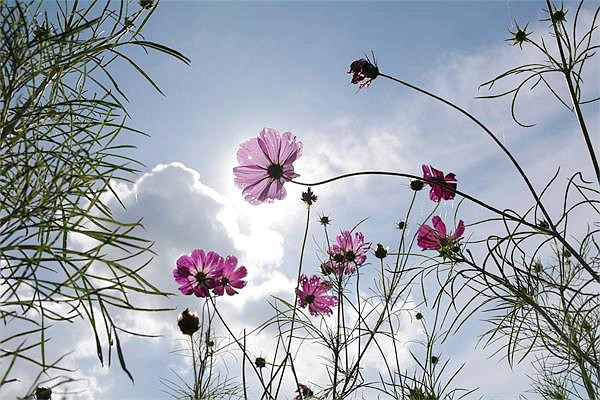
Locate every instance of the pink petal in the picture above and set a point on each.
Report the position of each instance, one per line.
(426, 171)
(186, 262)
(250, 153)
(439, 226)
(436, 172)
(460, 229)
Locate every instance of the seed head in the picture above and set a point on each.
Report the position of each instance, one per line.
(381, 252)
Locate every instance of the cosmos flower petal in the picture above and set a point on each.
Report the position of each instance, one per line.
(250, 153)
(439, 225)
(427, 238)
(442, 187)
(460, 230)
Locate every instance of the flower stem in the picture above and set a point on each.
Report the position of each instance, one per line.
(289, 345)
(442, 184)
(566, 70)
(196, 386)
(237, 342)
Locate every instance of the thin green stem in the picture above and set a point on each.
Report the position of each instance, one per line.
(400, 174)
(566, 69)
(238, 343)
(287, 350)
(196, 386)
(539, 309)
(336, 350)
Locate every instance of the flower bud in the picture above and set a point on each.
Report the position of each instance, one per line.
(43, 393)
(558, 16)
(260, 362)
(324, 220)
(416, 185)
(309, 197)
(380, 251)
(188, 322)
(147, 4)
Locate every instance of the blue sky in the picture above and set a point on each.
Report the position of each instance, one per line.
(283, 65)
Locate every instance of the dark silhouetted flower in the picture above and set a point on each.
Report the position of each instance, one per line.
(312, 294)
(309, 197)
(363, 72)
(266, 164)
(442, 187)
(419, 316)
(188, 322)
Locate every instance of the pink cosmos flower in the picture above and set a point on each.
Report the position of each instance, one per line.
(266, 164)
(304, 392)
(439, 192)
(312, 294)
(196, 273)
(363, 72)
(227, 277)
(437, 238)
(348, 253)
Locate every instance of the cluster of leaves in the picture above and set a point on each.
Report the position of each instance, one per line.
(63, 253)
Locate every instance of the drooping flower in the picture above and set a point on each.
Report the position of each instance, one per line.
(266, 164)
(348, 253)
(228, 278)
(304, 392)
(188, 322)
(437, 238)
(312, 294)
(363, 72)
(442, 187)
(196, 273)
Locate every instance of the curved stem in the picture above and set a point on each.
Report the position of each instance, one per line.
(389, 173)
(537, 198)
(482, 126)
